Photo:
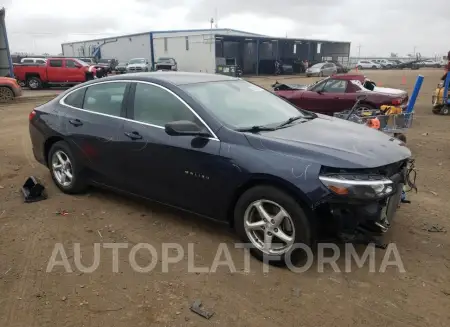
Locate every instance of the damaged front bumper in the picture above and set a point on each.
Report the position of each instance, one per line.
(356, 219)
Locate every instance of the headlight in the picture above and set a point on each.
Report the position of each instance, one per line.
(358, 186)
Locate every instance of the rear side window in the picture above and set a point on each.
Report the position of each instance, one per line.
(105, 98)
(56, 63)
(75, 99)
(40, 61)
(27, 61)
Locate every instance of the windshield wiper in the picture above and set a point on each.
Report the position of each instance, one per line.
(256, 129)
(291, 120)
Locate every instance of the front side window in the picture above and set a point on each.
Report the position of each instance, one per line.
(335, 86)
(241, 104)
(56, 63)
(105, 98)
(71, 64)
(155, 105)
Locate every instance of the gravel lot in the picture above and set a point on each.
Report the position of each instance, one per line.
(28, 232)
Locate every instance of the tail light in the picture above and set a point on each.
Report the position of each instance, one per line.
(397, 102)
(31, 115)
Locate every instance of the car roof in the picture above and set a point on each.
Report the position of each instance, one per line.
(176, 78)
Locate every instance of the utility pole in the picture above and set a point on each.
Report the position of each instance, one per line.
(414, 52)
(216, 19)
(359, 51)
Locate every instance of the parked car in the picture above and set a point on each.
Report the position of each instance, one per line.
(226, 149)
(166, 63)
(339, 93)
(107, 64)
(89, 61)
(27, 60)
(56, 71)
(138, 65)
(368, 64)
(355, 78)
(322, 69)
(9, 89)
(430, 63)
(340, 68)
(386, 64)
(121, 67)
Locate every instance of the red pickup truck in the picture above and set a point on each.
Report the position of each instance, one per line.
(56, 71)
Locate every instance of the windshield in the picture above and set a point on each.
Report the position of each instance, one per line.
(165, 60)
(137, 61)
(241, 104)
(122, 64)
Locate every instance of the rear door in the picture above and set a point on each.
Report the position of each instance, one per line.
(93, 119)
(74, 72)
(55, 71)
(179, 170)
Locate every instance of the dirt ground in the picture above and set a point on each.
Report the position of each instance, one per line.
(29, 296)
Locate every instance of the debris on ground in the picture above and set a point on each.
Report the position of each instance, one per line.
(197, 308)
(435, 229)
(434, 193)
(64, 298)
(62, 212)
(445, 292)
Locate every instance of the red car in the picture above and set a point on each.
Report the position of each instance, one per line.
(9, 89)
(56, 71)
(338, 93)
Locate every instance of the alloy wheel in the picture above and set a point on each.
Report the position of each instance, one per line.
(62, 168)
(6, 95)
(269, 227)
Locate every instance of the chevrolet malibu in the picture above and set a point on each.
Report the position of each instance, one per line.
(227, 149)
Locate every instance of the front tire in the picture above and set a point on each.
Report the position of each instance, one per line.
(65, 170)
(273, 223)
(6, 94)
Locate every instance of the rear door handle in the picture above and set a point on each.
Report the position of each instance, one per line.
(133, 135)
(75, 122)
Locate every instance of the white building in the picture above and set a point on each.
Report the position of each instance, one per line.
(202, 50)
(194, 50)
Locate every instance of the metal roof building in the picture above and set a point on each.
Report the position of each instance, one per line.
(201, 50)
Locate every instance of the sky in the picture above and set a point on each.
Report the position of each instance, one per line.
(375, 28)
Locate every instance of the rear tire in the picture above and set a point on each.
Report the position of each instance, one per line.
(294, 227)
(65, 170)
(34, 83)
(445, 110)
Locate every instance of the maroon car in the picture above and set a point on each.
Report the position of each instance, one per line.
(337, 93)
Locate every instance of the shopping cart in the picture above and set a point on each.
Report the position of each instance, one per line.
(390, 123)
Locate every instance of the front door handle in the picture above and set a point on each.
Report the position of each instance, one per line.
(75, 122)
(133, 135)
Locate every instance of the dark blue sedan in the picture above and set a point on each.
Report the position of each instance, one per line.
(227, 149)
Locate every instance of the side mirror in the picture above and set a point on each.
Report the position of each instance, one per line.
(184, 127)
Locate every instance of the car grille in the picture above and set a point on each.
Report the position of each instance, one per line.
(135, 69)
(387, 171)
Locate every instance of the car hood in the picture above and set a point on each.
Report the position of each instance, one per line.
(333, 142)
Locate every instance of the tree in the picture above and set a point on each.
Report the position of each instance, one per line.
(394, 55)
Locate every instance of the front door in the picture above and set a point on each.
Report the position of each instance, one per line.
(178, 170)
(73, 71)
(95, 128)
